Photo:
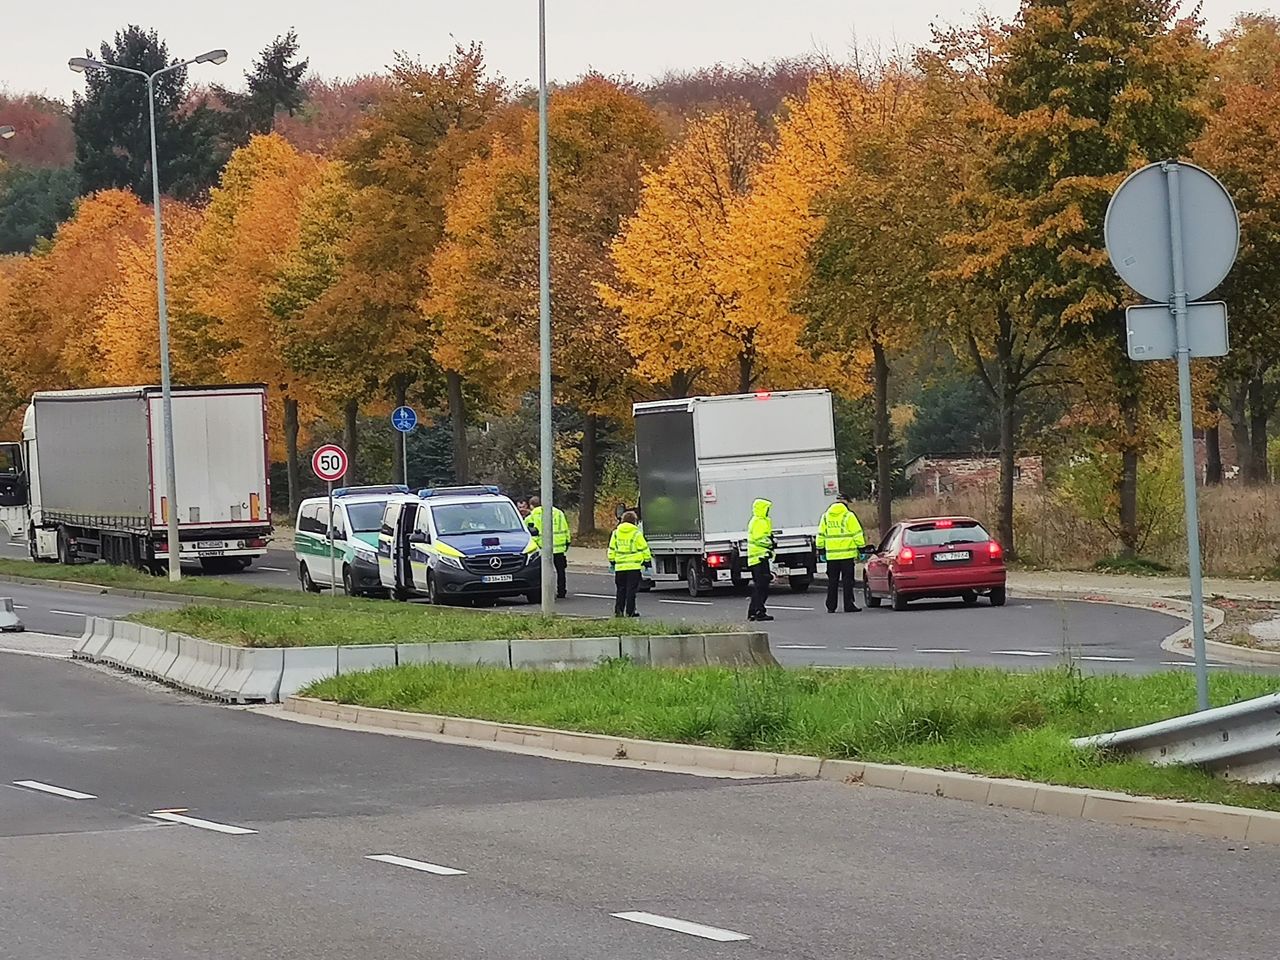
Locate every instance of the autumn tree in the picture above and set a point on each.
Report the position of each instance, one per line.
(1085, 91)
(332, 111)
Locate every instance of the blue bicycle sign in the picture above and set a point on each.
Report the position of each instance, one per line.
(404, 419)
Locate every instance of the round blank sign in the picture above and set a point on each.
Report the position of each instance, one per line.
(1137, 231)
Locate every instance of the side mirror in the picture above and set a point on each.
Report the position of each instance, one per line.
(419, 538)
(339, 535)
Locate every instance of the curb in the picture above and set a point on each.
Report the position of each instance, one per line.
(76, 586)
(1101, 806)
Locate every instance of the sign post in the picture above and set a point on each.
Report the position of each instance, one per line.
(330, 464)
(404, 419)
(1172, 234)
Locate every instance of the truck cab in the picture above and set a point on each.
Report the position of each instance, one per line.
(15, 517)
(458, 544)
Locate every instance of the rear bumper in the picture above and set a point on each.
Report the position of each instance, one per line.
(949, 583)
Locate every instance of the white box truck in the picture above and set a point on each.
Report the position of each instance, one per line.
(703, 461)
(87, 481)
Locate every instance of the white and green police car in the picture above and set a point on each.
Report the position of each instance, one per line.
(356, 521)
(458, 543)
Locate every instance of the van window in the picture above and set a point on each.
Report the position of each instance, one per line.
(389, 519)
(364, 517)
(307, 522)
(485, 516)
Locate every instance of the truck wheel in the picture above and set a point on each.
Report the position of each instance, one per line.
(693, 579)
(304, 575)
(244, 563)
(800, 584)
(64, 547)
(869, 599)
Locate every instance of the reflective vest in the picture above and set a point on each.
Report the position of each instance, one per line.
(628, 549)
(559, 528)
(759, 533)
(840, 533)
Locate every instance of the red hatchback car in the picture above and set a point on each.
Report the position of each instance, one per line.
(935, 557)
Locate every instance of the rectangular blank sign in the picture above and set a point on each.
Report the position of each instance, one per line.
(1153, 336)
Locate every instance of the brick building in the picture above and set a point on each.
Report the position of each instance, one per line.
(948, 473)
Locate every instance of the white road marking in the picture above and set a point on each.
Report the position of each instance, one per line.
(799, 646)
(201, 824)
(417, 865)
(681, 926)
(873, 649)
(596, 596)
(1189, 663)
(56, 791)
(69, 613)
(19, 606)
(1108, 659)
(1020, 653)
(691, 603)
(778, 606)
(941, 650)
(275, 570)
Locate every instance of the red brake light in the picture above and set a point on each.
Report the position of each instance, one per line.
(763, 394)
(944, 525)
(906, 556)
(715, 560)
(995, 550)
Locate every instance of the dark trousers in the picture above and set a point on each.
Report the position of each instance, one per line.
(760, 577)
(840, 571)
(626, 583)
(561, 561)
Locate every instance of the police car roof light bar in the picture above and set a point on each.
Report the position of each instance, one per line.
(427, 492)
(376, 489)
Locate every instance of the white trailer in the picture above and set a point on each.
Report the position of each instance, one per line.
(703, 461)
(90, 484)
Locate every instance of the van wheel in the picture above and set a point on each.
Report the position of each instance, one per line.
(532, 598)
(304, 576)
(349, 582)
(869, 599)
(433, 594)
(898, 600)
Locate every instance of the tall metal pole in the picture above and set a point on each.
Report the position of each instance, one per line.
(404, 454)
(1189, 494)
(544, 324)
(166, 389)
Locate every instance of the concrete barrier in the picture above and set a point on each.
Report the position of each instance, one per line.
(253, 675)
(464, 653)
(149, 651)
(305, 665)
(185, 664)
(353, 658)
(635, 649)
(578, 652)
(123, 642)
(161, 665)
(684, 651)
(98, 632)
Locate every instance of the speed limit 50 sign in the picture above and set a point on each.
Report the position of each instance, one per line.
(330, 463)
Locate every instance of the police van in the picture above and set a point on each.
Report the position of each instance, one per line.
(357, 517)
(457, 543)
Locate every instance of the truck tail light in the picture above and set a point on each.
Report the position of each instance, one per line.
(906, 557)
(255, 544)
(716, 560)
(995, 551)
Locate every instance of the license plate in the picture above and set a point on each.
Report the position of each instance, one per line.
(210, 545)
(954, 555)
(497, 578)
(212, 553)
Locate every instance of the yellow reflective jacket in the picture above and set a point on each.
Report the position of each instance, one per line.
(628, 549)
(760, 533)
(839, 533)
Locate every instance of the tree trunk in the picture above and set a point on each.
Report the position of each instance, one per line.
(1008, 458)
(400, 388)
(1213, 447)
(587, 487)
(1238, 414)
(745, 374)
(291, 454)
(458, 419)
(1258, 417)
(884, 469)
(351, 439)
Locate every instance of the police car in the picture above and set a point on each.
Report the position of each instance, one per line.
(357, 518)
(457, 543)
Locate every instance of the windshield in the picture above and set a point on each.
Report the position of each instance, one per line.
(490, 516)
(9, 460)
(932, 535)
(366, 517)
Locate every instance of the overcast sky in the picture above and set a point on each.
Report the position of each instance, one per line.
(343, 38)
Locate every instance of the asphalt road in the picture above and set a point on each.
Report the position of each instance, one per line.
(1025, 634)
(548, 853)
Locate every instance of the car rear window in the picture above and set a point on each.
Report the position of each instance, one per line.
(938, 535)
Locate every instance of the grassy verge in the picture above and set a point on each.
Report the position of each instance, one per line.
(367, 621)
(981, 721)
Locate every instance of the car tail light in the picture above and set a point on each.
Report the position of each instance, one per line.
(906, 557)
(995, 551)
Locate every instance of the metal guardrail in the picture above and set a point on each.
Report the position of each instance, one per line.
(1241, 741)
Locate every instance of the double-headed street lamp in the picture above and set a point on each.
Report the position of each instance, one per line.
(80, 65)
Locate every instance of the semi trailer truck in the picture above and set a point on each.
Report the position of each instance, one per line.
(703, 461)
(87, 479)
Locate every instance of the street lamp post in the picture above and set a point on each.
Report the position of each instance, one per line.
(80, 65)
(544, 324)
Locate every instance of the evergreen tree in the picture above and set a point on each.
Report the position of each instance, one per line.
(274, 84)
(33, 201)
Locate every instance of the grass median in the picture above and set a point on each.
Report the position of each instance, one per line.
(342, 621)
(977, 720)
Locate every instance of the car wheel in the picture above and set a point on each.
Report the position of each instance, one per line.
(997, 596)
(304, 575)
(969, 598)
(800, 584)
(898, 600)
(349, 582)
(869, 599)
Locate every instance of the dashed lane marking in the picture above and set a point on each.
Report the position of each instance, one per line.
(274, 570)
(1099, 659)
(56, 791)
(691, 603)
(595, 596)
(941, 650)
(681, 926)
(69, 613)
(800, 646)
(421, 865)
(201, 824)
(1020, 653)
(778, 606)
(873, 649)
